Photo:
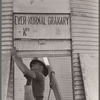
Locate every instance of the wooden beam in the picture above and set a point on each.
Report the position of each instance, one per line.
(54, 84)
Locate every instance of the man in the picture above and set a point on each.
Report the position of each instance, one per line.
(37, 74)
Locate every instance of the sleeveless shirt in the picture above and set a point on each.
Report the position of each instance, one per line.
(38, 85)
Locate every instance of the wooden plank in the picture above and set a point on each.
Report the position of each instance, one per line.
(6, 1)
(7, 17)
(84, 43)
(75, 56)
(77, 73)
(76, 47)
(6, 43)
(75, 60)
(43, 45)
(82, 22)
(6, 26)
(7, 4)
(62, 6)
(46, 27)
(85, 39)
(77, 78)
(76, 69)
(6, 34)
(78, 87)
(6, 13)
(85, 11)
(78, 82)
(81, 6)
(84, 14)
(6, 38)
(45, 53)
(79, 92)
(85, 35)
(7, 9)
(6, 30)
(86, 51)
(85, 26)
(82, 18)
(5, 52)
(85, 31)
(76, 64)
(5, 47)
(6, 21)
(94, 3)
(79, 97)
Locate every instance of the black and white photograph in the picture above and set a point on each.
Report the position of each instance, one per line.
(49, 49)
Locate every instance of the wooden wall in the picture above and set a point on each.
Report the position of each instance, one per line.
(7, 25)
(62, 68)
(84, 30)
(5, 78)
(6, 42)
(42, 6)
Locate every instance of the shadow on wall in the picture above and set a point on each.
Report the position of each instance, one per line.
(89, 64)
(5, 70)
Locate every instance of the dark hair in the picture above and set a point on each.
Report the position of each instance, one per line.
(45, 69)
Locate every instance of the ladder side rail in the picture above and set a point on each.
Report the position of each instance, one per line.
(54, 84)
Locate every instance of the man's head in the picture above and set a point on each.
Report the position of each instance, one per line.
(39, 65)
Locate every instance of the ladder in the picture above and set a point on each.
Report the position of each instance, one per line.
(54, 84)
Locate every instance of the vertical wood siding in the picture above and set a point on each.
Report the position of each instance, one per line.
(84, 29)
(62, 68)
(6, 25)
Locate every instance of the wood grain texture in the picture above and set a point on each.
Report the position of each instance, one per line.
(43, 45)
(38, 6)
(84, 28)
(7, 26)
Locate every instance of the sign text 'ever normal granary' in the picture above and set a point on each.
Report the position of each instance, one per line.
(41, 20)
(41, 26)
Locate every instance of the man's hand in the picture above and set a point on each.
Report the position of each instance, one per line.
(13, 51)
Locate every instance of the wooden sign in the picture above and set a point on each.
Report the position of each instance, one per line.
(42, 26)
(42, 34)
(42, 6)
(43, 45)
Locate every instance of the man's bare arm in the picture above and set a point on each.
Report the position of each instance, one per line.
(21, 65)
